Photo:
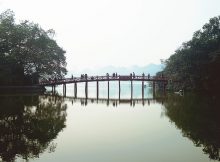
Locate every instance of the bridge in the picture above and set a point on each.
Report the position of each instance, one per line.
(86, 79)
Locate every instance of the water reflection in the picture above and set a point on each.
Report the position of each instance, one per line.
(198, 118)
(28, 125)
(109, 101)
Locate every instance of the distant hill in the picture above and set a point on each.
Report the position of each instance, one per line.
(152, 69)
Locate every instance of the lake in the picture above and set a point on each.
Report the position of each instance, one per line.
(164, 127)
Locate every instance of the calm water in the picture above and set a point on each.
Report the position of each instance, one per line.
(168, 127)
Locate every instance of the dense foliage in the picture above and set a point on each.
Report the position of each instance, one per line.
(196, 63)
(28, 53)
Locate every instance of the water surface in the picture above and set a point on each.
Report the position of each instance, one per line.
(165, 127)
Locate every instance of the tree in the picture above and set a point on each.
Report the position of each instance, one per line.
(28, 51)
(194, 62)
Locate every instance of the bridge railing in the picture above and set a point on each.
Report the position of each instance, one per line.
(103, 78)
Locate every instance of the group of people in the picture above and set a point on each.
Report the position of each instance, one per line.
(84, 76)
(115, 75)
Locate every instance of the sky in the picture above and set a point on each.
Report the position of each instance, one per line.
(121, 33)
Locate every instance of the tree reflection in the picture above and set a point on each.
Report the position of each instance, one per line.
(198, 118)
(28, 125)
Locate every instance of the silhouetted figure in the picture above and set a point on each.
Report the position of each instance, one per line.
(116, 75)
(148, 76)
(72, 76)
(143, 75)
(133, 75)
(86, 76)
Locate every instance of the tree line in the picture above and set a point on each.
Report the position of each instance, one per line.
(28, 53)
(195, 64)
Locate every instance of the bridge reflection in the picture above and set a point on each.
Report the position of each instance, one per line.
(109, 101)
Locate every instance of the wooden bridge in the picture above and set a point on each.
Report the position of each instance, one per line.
(107, 78)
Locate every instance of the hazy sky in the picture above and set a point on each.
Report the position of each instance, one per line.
(96, 33)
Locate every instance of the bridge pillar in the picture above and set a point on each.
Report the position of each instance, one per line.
(108, 89)
(119, 89)
(97, 89)
(75, 90)
(86, 89)
(143, 102)
(64, 90)
(53, 89)
(142, 89)
(164, 87)
(154, 89)
(108, 101)
(131, 89)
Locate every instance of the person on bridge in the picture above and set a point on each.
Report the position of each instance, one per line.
(133, 75)
(148, 76)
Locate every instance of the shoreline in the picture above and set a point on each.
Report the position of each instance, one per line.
(21, 89)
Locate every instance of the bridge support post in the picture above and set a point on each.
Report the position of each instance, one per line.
(108, 89)
(164, 87)
(53, 89)
(75, 90)
(131, 89)
(86, 89)
(154, 89)
(143, 103)
(142, 89)
(64, 90)
(119, 89)
(97, 89)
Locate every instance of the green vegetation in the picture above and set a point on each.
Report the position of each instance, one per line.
(28, 53)
(29, 124)
(196, 63)
(197, 116)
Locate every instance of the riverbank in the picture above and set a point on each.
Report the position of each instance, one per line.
(21, 89)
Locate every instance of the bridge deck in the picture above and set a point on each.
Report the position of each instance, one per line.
(104, 78)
